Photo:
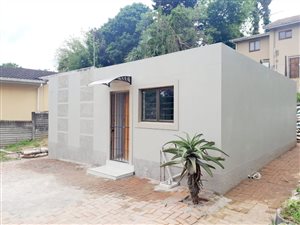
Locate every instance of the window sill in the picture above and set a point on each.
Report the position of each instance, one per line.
(282, 39)
(254, 50)
(158, 125)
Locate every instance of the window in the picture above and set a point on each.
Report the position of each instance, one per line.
(158, 104)
(285, 34)
(254, 46)
(294, 64)
(265, 62)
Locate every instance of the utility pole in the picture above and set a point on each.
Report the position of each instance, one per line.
(94, 48)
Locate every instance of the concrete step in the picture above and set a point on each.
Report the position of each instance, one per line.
(112, 170)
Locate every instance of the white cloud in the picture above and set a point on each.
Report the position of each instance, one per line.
(284, 8)
(31, 31)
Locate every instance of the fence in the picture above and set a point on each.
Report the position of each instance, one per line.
(14, 131)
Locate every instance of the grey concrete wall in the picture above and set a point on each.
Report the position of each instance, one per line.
(210, 85)
(72, 132)
(258, 117)
(80, 116)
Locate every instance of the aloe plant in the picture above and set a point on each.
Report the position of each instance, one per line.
(193, 154)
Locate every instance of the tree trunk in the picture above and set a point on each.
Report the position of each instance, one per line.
(193, 188)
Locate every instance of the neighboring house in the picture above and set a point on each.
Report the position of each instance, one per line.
(278, 48)
(123, 122)
(22, 92)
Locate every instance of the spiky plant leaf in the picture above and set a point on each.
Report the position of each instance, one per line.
(206, 167)
(193, 154)
(170, 163)
(215, 160)
(193, 164)
(215, 149)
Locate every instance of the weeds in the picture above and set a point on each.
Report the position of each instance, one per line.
(291, 210)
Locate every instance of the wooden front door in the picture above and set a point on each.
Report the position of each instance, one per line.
(119, 102)
(294, 67)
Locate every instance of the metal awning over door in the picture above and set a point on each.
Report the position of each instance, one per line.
(108, 81)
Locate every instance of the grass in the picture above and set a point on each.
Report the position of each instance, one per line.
(3, 157)
(291, 211)
(20, 146)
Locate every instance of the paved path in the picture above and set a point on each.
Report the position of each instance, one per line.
(44, 191)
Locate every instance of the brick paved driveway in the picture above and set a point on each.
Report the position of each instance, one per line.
(48, 191)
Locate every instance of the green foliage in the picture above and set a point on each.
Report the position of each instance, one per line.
(22, 144)
(194, 154)
(174, 25)
(291, 211)
(225, 18)
(10, 65)
(73, 55)
(265, 10)
(112, 42)
(298, 97)
(115, 39)
(255, 19)
(3, 157)
(168, 33)
(260, 12)
(168, 5)
(19, 146)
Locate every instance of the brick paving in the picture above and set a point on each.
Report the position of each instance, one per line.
(45, 191)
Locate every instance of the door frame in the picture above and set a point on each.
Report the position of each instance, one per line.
(115, 89)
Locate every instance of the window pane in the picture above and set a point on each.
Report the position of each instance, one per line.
(281, 35)
(288, 34)
(251, 46)
(166, 104)
(257, 45)
(149, 104)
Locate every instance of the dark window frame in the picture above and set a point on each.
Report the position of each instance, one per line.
(255, 46)
(285, 34)
(157, 109)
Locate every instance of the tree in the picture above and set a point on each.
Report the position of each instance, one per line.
(255, 19)
(168, 33)
(115, 39)
(265, 11)
(73, 55)
(168, 5)
(225, 19)
(193, 155)
(10, 65)
(260, 12)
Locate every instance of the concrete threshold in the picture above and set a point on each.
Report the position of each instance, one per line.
(112, 170)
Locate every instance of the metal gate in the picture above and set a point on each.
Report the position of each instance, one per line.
(119, 126)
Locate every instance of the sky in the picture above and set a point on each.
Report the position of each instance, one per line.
(31, 31)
